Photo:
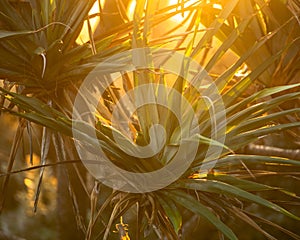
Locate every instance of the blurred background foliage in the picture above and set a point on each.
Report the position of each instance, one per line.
(251, 50)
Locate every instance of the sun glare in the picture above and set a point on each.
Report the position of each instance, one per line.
(180, 17)
(84, 34)
(130, 9)
(217, 6)
(94, 21)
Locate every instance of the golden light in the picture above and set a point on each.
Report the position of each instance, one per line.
(180, 17)
(48, 190)
(130, 9)
(217, 6)
(29, 183)
(84, 34)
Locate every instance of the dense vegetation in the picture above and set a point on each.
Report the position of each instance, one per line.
(241, 183)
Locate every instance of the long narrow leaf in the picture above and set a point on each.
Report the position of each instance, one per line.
(223, 188)
(193, 205)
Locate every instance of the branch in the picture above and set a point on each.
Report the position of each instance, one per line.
(272, 151)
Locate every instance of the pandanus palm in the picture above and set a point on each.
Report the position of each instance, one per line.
(41, 58)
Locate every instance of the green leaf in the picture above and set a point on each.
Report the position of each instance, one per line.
(228, 43)
(244, 217)
(258, 122)
(190, 203)
(207, 141)
(46, 139)
(258, 95)
(240, 183)
(256, 159)
(215, 26)
(234, 92)
(14, 34)
(171, 211)
(243, 139)
(244, 113)
(223, 80)
(217, 187)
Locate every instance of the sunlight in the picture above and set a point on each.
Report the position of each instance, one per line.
(46, 201)
(130, 9)
(84, 34)
(180, 17)
(217, 6)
